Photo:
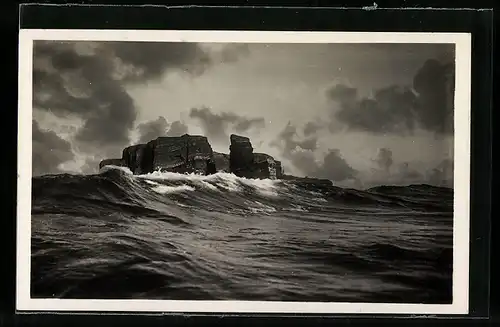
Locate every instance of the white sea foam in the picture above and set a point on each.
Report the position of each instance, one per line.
(267, 187)
(164, 189)
(208, 185)
(229, 182)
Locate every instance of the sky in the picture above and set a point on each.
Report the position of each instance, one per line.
(360, 115)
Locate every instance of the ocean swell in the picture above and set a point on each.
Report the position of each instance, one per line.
(174, 236)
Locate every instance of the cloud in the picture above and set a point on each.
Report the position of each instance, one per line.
(384, 159)
(300, 153)
(442, 174)
(408, 174)
(288, 140)
(216, 125)
(177, 128)
(150, 60)
(427, 104)
(308, 144)
(232, 52)
(345, 95)
(311, 128)
(388, 172)
(49, 151)
(434, 84)
(160, 127)
(404, 173)
(152, 129)
(91, 165)
(390, 110)
(335, 167)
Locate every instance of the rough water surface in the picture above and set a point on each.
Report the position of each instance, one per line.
(186, 237)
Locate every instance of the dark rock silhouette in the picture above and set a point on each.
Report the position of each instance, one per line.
(133, 156)
(193, 154)
(265, 164)
(183, 154)
(241, 158)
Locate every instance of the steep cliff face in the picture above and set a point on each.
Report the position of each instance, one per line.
(241, 159)
(184, 154)
(267, 167)
(133, 158)
(194, 154)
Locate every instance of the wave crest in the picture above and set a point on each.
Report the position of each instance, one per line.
(215, 182)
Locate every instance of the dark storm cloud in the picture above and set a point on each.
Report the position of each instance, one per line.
(311, 128)
(150, 60)
(435, 86)
(343, 94)
(70, 79)
(427, 104)
(152, 129)
(177, 128)
(389, 111)
(216, 125)
(291, 149)
(49, 151)
(160, 127)
(384, 159)
(288, 138)
(335, 167)
(300, 154)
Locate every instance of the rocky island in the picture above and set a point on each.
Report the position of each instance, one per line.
(193, 154)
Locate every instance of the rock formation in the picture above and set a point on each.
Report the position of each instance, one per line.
(241, 158)
(267, 167)
(221, 161)
(193, 154)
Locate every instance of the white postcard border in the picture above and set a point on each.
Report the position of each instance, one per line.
(460, 304)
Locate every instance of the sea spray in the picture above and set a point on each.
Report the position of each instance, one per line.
(164, 189)
(226, 181)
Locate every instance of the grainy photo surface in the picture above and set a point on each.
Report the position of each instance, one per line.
(289, 172)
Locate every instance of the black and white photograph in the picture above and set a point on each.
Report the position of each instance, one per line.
(279, 172)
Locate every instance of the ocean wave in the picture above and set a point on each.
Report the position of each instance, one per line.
(225, 191)
(175, 236)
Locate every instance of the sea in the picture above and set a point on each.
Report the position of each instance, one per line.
(115, 235)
